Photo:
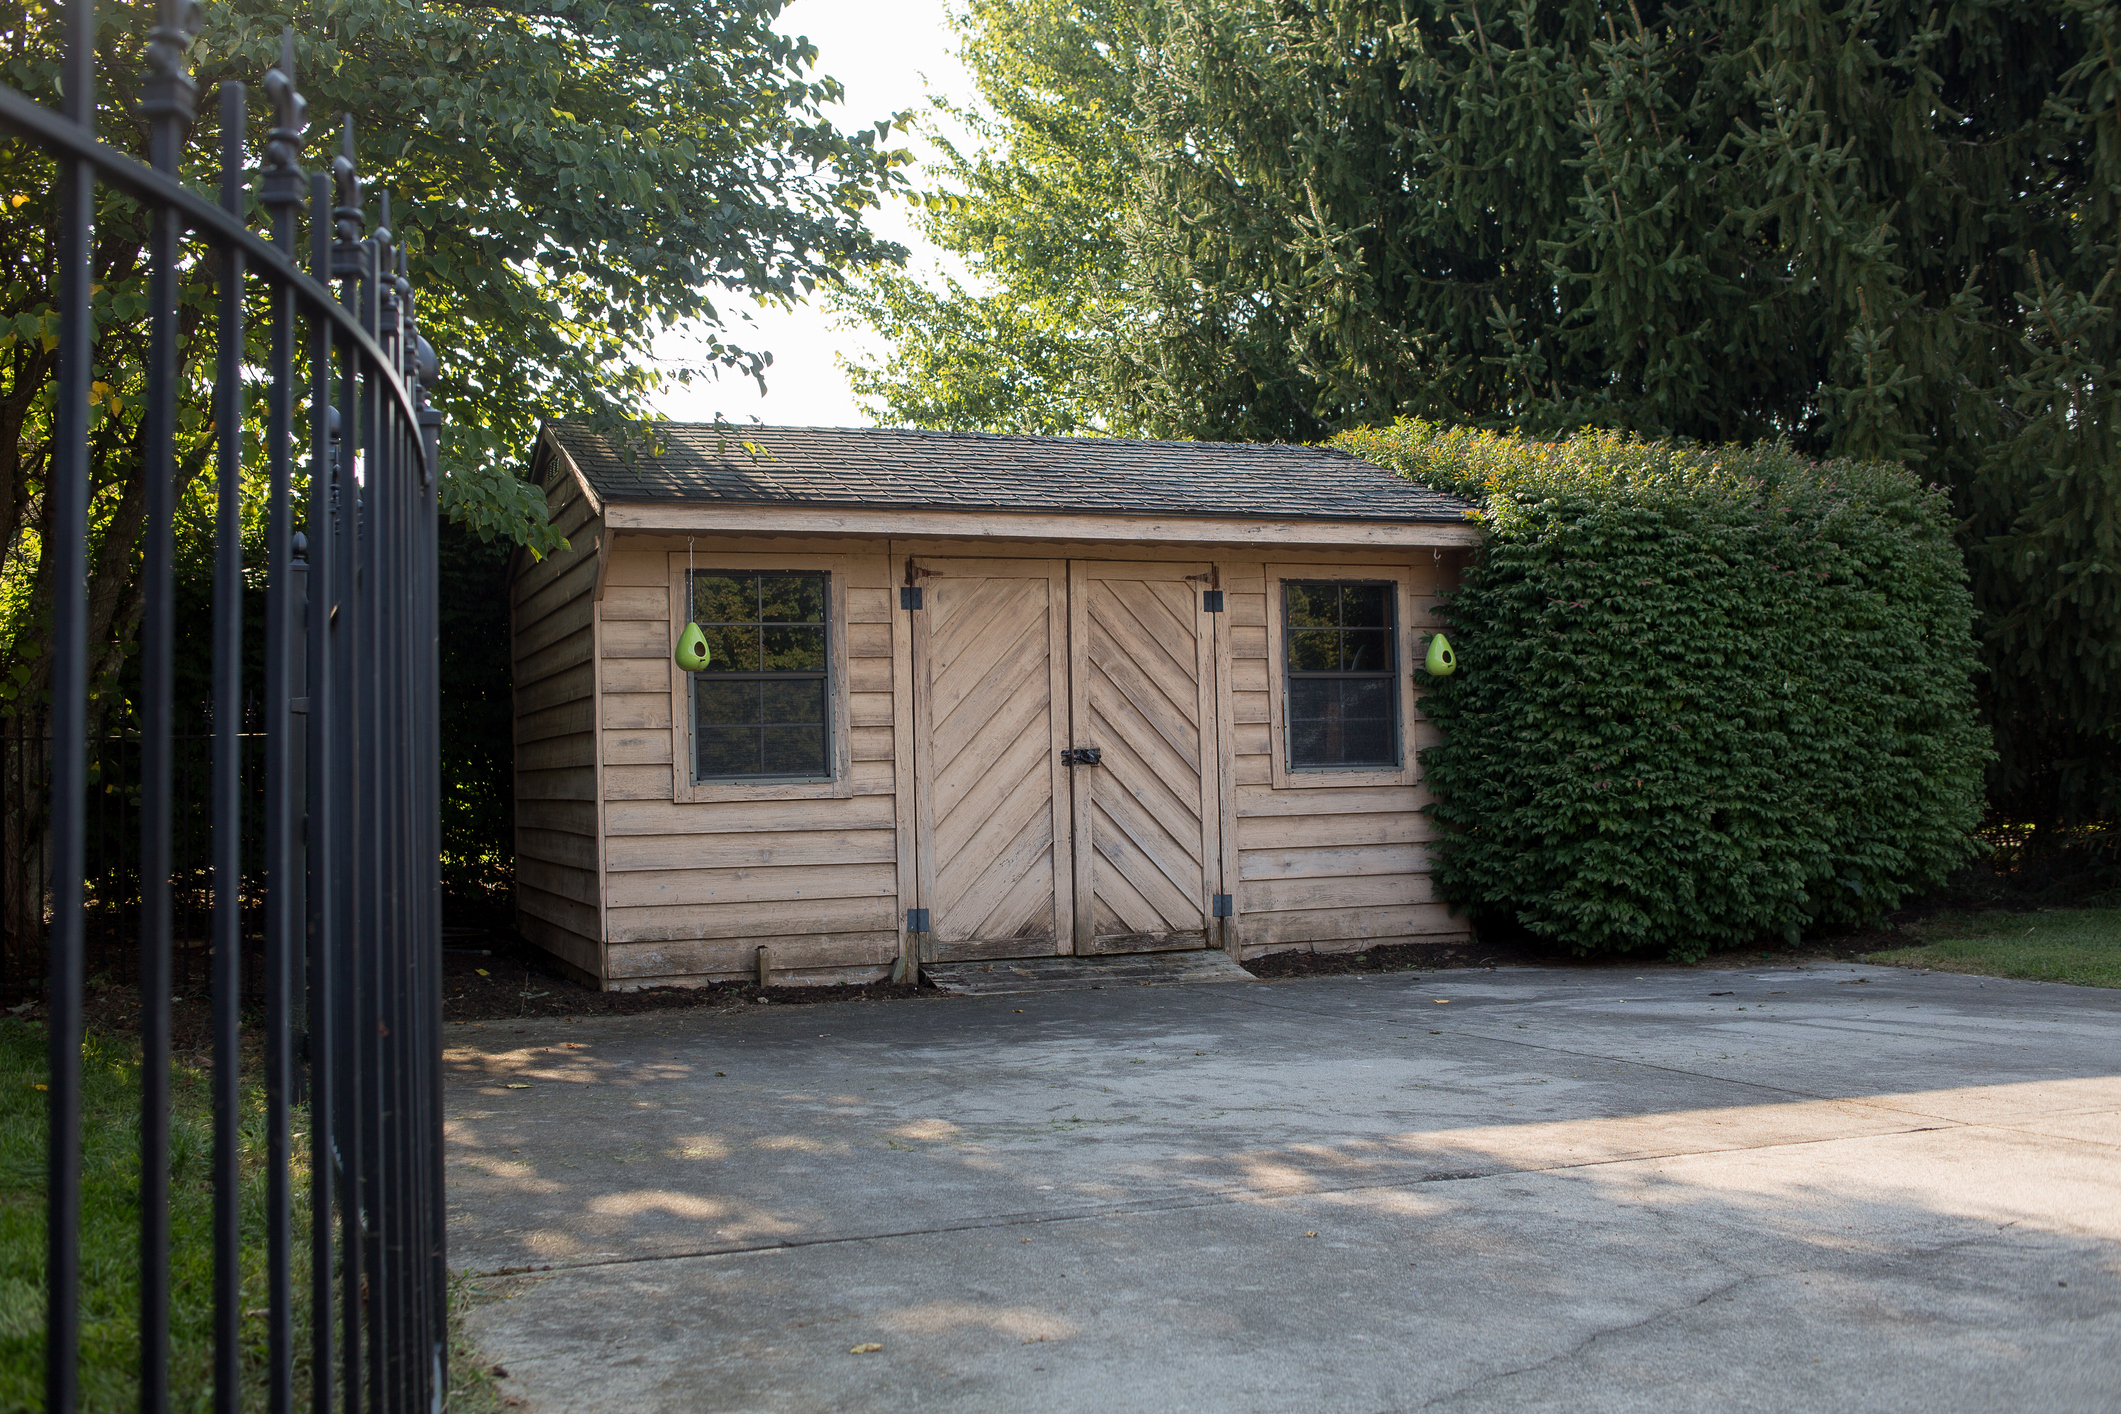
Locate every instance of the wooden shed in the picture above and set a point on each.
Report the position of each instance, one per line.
(970, 697)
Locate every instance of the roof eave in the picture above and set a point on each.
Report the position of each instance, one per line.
(818, 518)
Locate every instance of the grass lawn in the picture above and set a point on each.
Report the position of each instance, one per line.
(2076, 945)
(110, 1231)
(110, 1246)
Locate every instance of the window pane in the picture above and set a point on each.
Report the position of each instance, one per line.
(795, 751)
(1366, 722)
(1307, 734)
(793, 650)
(729, 751)
(785, 703)
(1342, 722)
(732, 648)
(1366, 605)
(722, 599)
(1366, 650)
(1314, 650)
(1312, 605)
(727, 728)
(792, 599)
(727, 704)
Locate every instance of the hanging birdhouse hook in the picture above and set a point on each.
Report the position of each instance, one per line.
(691, 653)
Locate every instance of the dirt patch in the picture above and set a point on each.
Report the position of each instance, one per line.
(485, 977)
(1400, 957)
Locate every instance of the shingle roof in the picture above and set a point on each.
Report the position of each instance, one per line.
(837, 466)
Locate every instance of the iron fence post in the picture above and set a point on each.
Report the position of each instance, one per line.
(227, 783)
(281, 191)
(68, 518)
(319, 835)
(170, 96)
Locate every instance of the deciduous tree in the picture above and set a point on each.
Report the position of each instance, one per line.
(569, 179)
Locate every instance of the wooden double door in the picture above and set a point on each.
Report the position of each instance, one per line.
(1065, 757)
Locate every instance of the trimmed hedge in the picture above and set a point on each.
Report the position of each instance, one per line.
(1704, 697)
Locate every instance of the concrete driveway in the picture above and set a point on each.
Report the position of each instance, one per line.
(1829, 1187)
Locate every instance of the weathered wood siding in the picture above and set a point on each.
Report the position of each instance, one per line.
(553, 634)
(1323, 868)
(692, 888)
(638, 876)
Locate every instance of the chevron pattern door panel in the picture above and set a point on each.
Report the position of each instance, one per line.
(991, 706)
(1146, 815)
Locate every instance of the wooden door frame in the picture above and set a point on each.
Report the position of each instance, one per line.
(1211, 683)
(922, 568)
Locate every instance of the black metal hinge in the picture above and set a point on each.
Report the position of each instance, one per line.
(916, 918)
(909, 596)
(1222, 905)
(1211, 601)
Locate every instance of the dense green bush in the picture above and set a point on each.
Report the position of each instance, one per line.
(1703, 696)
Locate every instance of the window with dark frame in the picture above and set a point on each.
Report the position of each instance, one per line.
(762, 707)
(1341, 667)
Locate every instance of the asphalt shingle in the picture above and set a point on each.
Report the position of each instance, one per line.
(846, 467)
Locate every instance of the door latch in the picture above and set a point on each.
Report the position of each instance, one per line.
(1082, 756)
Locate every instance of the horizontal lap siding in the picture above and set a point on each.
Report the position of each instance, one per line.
(1329, 869)
(693, 888)
(689, 890)
(552, 654)
(697, 960)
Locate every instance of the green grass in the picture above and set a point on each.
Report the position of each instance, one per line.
(110, 1290)
(2081, 946)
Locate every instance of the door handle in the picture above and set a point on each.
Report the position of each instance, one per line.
(1082, 756)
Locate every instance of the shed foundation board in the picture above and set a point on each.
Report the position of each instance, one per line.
(1063, 974)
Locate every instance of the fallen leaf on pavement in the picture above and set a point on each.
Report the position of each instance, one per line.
(868, 1348)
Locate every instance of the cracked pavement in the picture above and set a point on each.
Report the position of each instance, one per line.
(1830, 1187)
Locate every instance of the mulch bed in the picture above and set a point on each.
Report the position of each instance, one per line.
(1399, 957)
(1530, 952)
(498, 977)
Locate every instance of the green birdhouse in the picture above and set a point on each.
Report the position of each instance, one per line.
(692, 649)
(1442, 662)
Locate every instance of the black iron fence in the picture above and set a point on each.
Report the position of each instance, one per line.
(111, 879)
(342, 903)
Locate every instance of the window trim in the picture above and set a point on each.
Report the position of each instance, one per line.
(684, 756)
(1405, 620)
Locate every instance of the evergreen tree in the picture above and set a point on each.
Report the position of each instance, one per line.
(1872, 228)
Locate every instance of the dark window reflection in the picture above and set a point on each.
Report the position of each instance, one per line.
(1342, 670)
(762, 707)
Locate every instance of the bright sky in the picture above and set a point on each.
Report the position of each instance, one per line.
(888, 57)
